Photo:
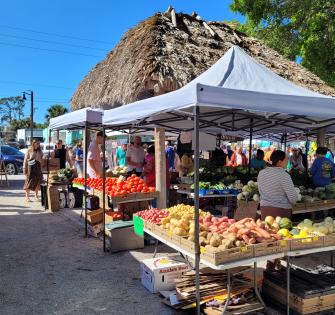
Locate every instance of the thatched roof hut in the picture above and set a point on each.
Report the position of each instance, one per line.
(166, 51)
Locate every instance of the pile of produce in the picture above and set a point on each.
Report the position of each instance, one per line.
(118, 186)
(180, 220)
(304, 229)
(226, 174)
(309, 195)
(120, 170)
(249, 192)
(154, 216)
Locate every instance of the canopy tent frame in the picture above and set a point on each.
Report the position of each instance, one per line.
(87, 125)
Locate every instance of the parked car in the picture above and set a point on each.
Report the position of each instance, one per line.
(46, 148)
(13, 143)
(12, 158)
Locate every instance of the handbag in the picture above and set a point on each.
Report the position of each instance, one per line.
(31, 162)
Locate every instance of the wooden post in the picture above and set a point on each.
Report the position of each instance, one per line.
(321, 137)
(160, 167)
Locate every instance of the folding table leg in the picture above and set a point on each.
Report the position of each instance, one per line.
(228, 292)
(156, 247)
(258, 295)
(288, 285)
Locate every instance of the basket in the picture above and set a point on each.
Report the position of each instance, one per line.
(269, 248)
(229, 255)
(306, 242)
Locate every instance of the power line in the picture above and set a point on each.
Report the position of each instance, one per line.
(36, 84)
(51, 50)
(54, 34)
(52, 42)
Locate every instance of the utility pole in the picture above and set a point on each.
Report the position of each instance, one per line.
(31, 93)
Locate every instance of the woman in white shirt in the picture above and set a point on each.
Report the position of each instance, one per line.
(277, 192)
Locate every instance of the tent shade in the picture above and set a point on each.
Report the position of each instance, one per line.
(77, 119)
(230, 93)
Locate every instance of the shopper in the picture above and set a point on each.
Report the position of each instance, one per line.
(170, 155)
(79, 159)
(32, 168)
(230, 152)
(329, 155)
(304, 158)
(120, 155)
(135, 157)
(268, 153)
(186, 164)
(258, 162)
(219, 156)
(94, 161)
(322, 169)
(295, 161)
(238, 158)
(277, 193)
(62, 154)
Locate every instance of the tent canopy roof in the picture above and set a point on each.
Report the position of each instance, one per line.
(235, 93)
(77, 119)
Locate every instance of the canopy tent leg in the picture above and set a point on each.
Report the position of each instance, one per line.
(196, 114)
(285, 141)
(321, 137)
(104, 186)
(306, 151)
(85, 174)
(160, 167)
(250, 146)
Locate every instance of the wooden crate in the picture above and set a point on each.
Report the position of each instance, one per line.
(306, 242)
(299, 206)
(246, 209)
(298, 304)
(269, 248)
(187, 245)
(329, 240)
(95, 216)
(316, 204)
(229, 255)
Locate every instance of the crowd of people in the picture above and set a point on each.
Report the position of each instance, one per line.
(140, 160)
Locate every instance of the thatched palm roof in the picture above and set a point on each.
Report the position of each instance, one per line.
(156, 57)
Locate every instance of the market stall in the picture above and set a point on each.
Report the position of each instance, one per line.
(236, 93)
(87, 119)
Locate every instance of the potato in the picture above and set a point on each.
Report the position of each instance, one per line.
(165, 220)
(179, 231)
(209, 235)
(203, 233)
(215, 241)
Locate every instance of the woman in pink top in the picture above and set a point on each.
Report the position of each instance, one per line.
(94, 161)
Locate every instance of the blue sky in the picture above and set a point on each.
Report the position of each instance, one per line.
(54, 76)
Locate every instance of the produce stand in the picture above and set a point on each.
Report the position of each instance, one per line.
(225, 98)
(86, 119)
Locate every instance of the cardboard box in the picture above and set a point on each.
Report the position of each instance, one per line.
(158, 274)
(94, 230)
(121, 236)
(95, 216)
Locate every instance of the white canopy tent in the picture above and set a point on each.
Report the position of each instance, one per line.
(236, 93)
(77, 119)
(241, 87)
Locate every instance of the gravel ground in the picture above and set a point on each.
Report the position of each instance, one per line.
(47, 266)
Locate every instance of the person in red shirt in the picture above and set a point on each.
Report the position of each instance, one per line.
(149, 171)
(238, 158)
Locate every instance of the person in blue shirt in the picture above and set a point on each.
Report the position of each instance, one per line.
(323, 169)
(79, 159)
(258, 162)
(120, 155)
(170, 155)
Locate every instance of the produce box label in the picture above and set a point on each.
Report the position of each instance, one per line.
(138, 225)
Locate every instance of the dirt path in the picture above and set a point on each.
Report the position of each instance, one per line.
(47, 266)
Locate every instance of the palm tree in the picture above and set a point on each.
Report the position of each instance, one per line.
(54, 111)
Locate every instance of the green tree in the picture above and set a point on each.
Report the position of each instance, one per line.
(55, 111)
(11, 108)
(295, 28)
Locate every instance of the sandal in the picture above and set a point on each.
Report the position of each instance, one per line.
(28, 200)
